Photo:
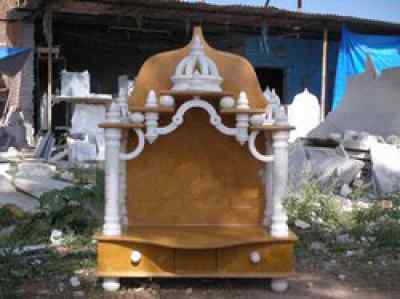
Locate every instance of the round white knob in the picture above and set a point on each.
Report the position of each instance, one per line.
(255, 257)
(227, 102)
(167, 101)
(137, 117)
(257, 119)
(136, 256)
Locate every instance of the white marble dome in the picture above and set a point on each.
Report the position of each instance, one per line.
(196, 71)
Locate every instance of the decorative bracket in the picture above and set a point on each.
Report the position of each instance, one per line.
(139, 148)
(215, 119)
(253, 150)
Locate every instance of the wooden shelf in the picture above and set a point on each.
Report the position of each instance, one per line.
(132, 274)
(235, 110)
(189, 94)
(121, 126)
(159, 109)
(197, 237)
(91, 100)
(273, 128)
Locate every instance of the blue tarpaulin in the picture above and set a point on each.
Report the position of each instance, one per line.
(8, 52)
(355, 49)
(12, 59)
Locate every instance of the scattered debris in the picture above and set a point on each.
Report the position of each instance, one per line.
(56, 237)
(7, 231)
(342, 277)
(23, 250)
(317, 246)
(10, 196)
(67, 176)
(78, 294)
(189, 291)
(386, 167)
(36, 187)
(345, 191)
(35, 169)
(74, 281)
(342, 239)
(139, 290)
(302, 224)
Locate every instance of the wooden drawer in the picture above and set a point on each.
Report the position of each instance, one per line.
(116, 257)
(196, 261)
(274, 258)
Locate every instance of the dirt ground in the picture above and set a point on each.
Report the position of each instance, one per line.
(316, 279)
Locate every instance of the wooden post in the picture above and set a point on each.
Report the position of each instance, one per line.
(324, 73)
(299, 5)
(49, 68)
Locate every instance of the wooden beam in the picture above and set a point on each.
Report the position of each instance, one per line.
(48, 24)
(324, 73)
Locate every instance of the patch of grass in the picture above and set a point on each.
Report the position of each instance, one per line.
(380, 224)
(76, 211)
(370, 229)
(313, 204)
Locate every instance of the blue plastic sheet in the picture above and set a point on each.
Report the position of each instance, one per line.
(12, 60)
(8, 52)
(383, 52)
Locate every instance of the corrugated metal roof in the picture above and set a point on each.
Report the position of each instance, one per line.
(270, 10)
(244, 14)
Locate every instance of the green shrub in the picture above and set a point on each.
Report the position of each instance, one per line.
(313, 204)
(76, 210)
(382, 225)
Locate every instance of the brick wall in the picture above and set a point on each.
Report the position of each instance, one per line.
(18, 34)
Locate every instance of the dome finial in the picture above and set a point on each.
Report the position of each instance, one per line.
(197, 71)
(197, 46)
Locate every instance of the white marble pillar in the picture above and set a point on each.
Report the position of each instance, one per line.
(112, 221)
(268, 177)
(123, 184)
(279, 227)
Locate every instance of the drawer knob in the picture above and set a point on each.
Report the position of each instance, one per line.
(136, 256)
(255, 257)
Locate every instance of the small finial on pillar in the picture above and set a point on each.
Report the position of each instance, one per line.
(151, 101)
(243, 101)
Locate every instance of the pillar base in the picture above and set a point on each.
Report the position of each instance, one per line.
(279, 285)
(111, 284)
(112, 229)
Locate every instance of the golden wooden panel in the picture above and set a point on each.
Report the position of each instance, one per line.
(197, 237)
(275, 258)
(192, 261)
(195, 176)
(115, 257)
(237, 72)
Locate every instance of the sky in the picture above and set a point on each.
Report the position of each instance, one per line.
(385, 10)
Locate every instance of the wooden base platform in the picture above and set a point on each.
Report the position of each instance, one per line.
(201, 251)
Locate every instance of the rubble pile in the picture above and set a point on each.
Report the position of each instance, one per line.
(348, 162)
